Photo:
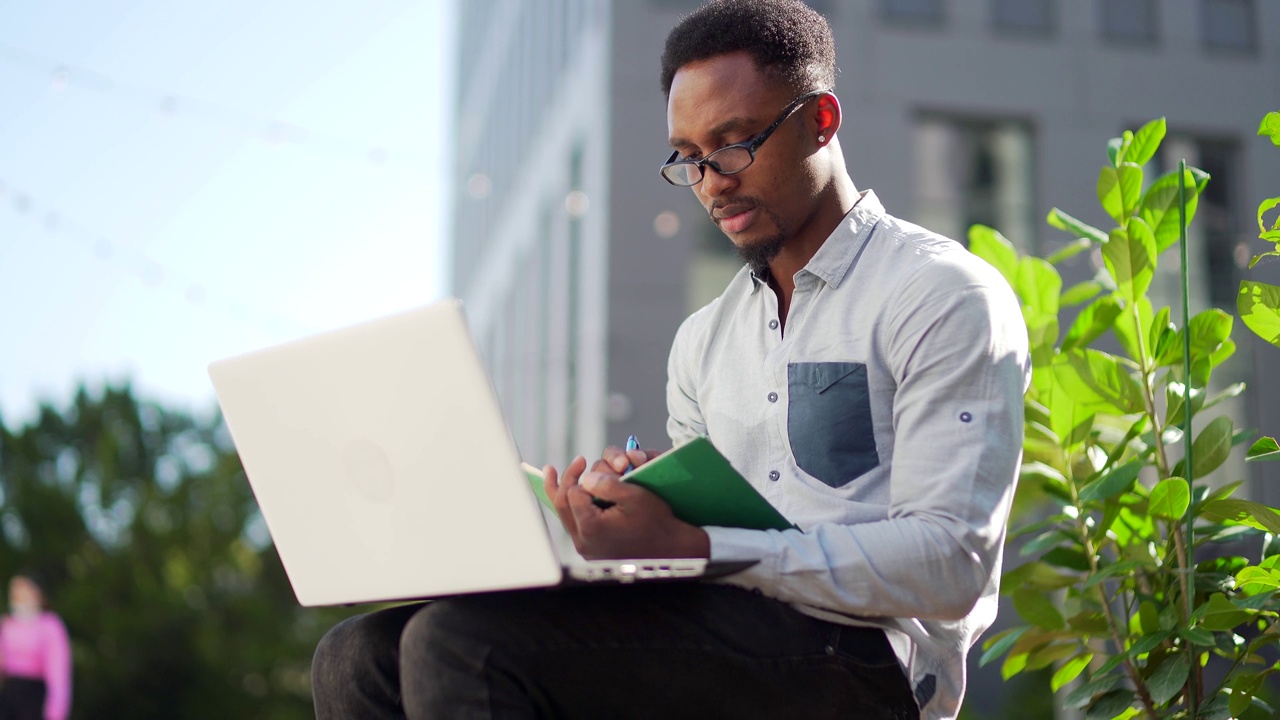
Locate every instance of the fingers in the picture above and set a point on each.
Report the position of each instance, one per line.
(615, 458)
(558, 490)
(603, 485)
(618, 460)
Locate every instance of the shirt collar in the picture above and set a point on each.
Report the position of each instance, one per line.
(836, 255)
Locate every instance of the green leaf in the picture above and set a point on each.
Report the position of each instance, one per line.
(1159, 324)
(1099, 683)
(1094, 320)
(988, 244)
(1230, 391)
(1264, 450)
(1113, 483)
(1089, 622)
(1001, 643)
(1259, 307)
(1066, 223)
(1274, 253)
(1070, 670)
(1221, 615)
(1042, 472)
(1197, 636)
(1270, 126)
(1253, 580)
(1151, 640)
(1210, 332)
(1159, 207)
(1047, 540)
(1078, 293)
(1036, 576)
(1110, 705)
(1174, 393)
(1046, 656)
(1130, 187)
(1114, 146)
(1146, 142)
(1129, 330)
(1170, 498)
(1039, 286)
(1263, 207)
(1130, 256)
(1111, 195)
(1098, 381)
(1212, 447)
(1169, 677)
(1069, 419)
(1065, 557)
(1245, 512)
(1122, 567)
(1036, 608)
(1069, 250)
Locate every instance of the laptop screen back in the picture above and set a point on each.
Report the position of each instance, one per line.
(382, 465)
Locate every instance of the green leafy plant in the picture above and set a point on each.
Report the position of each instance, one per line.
(1258, 302)
(1121, 593)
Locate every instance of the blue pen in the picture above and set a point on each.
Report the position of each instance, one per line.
(632, 444)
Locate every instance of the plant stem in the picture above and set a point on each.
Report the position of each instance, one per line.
(1090, 552)
(1188, 579)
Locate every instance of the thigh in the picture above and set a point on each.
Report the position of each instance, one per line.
(678, 650)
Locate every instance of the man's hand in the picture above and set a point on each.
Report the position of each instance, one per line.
(634, 523)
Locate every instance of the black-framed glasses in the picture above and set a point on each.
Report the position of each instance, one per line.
(730, 159)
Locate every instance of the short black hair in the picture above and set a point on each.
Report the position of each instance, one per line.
(786, 37)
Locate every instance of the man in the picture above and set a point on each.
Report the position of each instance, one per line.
(864, 374)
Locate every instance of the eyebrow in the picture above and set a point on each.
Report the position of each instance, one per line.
(727, 126)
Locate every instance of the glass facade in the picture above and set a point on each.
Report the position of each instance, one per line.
(969, 171)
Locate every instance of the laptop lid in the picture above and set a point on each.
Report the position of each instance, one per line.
(382, 465)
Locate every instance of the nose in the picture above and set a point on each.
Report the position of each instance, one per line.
(714, 184)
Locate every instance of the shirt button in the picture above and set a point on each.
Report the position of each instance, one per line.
(773, 397)
(773, 324)
(774, 475)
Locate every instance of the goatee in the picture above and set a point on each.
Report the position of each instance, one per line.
(757, 255)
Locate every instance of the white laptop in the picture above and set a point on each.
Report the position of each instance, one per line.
(384, 470)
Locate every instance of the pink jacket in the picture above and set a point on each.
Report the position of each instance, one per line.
(38, 649)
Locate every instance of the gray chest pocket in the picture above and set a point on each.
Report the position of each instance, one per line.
(829, 420)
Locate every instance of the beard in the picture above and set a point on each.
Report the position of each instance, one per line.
(759, 253)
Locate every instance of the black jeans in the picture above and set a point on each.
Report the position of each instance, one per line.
(21, 698)
(681, 650)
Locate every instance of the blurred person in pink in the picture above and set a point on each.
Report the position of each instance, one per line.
(35, 656)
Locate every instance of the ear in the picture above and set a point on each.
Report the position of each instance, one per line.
(826, 118)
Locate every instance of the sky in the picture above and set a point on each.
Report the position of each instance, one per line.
(180, 182)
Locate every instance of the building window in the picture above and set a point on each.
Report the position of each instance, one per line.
(1024, 17)
(971, 171)
(912, 12)
(1132, 22)
(1229, 26)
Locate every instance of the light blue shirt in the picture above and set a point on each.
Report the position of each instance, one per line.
(886, 423)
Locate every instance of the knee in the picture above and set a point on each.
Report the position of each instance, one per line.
(445, 636)
(349, 648)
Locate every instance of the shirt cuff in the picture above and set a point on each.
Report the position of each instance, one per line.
(740, 544)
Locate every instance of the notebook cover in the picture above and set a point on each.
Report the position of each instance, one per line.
(701, 487)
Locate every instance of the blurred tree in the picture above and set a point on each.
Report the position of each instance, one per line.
(144, 527)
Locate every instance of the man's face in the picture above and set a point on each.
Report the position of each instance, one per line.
(724, 100)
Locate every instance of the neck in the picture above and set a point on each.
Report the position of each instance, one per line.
(835, 202)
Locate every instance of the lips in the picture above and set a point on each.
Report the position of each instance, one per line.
(734, 218)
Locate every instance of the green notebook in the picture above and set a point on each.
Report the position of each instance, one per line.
(701, 487)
